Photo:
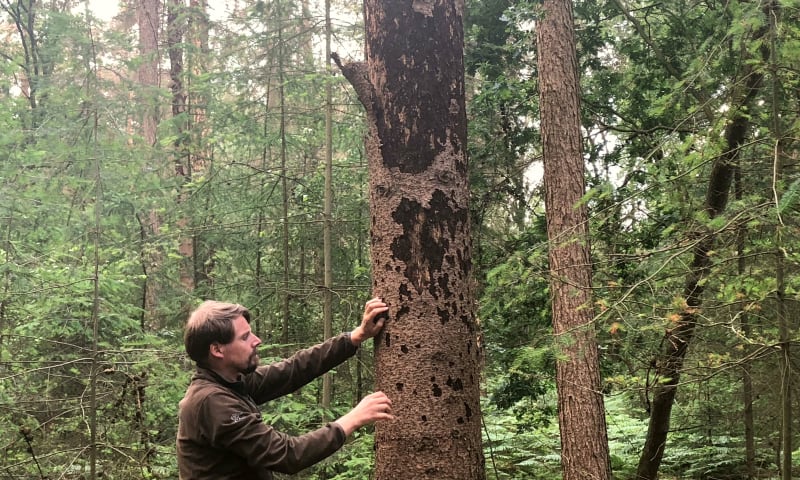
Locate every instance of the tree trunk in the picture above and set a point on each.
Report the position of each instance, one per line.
(196, 265)
(147, 17)
(428, 356)
(785, 362)
(176, 30)
(23, 15)
(5, 295)
(260, 278)
(147, 75)
(327, 267)
(747, 381)
(581, 412)
(676, 341)
(175, 33)
(96, 298)
(285, 294)
(784, 327)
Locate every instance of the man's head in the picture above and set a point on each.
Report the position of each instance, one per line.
(218, 336)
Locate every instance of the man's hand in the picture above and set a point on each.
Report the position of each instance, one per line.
(373, 407)
(371, 323)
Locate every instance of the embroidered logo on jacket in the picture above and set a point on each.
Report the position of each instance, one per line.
(236, 417)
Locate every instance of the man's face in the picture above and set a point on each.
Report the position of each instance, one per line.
(240, 355)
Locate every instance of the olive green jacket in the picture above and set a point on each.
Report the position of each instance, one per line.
(220, 432)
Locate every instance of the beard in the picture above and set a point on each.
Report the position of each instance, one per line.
(252, 364)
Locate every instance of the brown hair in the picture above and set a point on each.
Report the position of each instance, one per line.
(211, 322)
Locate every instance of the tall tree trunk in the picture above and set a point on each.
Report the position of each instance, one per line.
(327, 258)
(285, 294)
(306, 28)
(147, 18)
(581, 412)
(676, 341)
(196, 266)
(198, 100)
(747, 381)
(260, 279)
(96, 299)
(147, 75)
(176, 30)
(428, 356)
(5, 295)
(23, 15)
(785, 357)
(773, 13)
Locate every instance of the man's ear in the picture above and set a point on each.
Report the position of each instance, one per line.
(215, 350)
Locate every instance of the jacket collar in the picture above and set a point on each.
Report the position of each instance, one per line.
(204, 373)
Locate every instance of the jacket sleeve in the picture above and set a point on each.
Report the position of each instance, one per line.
(244, 434)
(272, 381)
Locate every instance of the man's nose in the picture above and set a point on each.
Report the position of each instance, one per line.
(256, 341)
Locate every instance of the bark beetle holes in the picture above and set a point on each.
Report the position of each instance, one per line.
(403, 349)
(443, 284)
(444, 315)
(455, 384)
(399, 386)
(424, 418)
(405, 292)
(437, 392)
(468, 411)
(388, 340)
(402, 313)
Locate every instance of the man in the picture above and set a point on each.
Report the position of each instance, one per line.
(220, 432)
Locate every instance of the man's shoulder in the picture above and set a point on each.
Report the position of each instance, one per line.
(202, 388)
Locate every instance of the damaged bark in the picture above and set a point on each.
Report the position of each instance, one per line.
(428, 356)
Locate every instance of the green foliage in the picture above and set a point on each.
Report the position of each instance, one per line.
(354, 461)
(520, 390)
(84, 203)
(520, 453)
(660, 85)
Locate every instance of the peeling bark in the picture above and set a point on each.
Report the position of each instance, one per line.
(428, 356)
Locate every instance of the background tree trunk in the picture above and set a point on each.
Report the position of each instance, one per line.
(196, 265)
(176, 32)
(24, 15)
(747, 381)
(147, 75)
(284, 173)
(781, 307)
(147, 17)
(428, 356)
(581, 412)
(327, 214)
(676, 341)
